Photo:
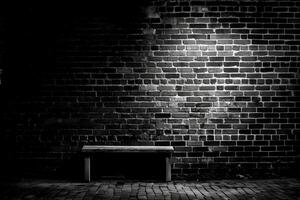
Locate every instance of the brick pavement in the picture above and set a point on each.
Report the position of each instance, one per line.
(224, 189)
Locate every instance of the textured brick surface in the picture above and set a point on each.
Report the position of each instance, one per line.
(255, 190)
(218, 80)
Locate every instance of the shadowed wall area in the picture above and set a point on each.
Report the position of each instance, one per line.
(218, 80)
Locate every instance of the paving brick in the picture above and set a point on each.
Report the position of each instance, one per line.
(224, 189)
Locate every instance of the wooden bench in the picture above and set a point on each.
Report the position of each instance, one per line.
(90, 149)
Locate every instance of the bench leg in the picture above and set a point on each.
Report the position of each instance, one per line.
(87, 168)
(168, 169)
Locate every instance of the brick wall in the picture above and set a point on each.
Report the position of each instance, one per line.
(218, 80)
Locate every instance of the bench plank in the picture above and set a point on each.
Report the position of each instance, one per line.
(127, 149)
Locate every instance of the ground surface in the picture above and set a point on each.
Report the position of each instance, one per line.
(224, 189)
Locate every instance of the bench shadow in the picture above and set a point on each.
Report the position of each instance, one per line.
(128, 166)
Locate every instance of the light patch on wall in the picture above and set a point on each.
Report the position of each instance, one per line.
(149, 31)
(199, 9)
(207, 160)
(151, 12)
(170, 20)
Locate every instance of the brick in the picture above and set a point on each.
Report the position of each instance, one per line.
(194, 99)
(180, 115)
(172, 75)
(197, 36)
(225, 36)
(198, 25)
(203, 31)
(203, 105)
(162, 115)
(172, 42)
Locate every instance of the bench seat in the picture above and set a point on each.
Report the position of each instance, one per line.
(127, 149)
(91, 149)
